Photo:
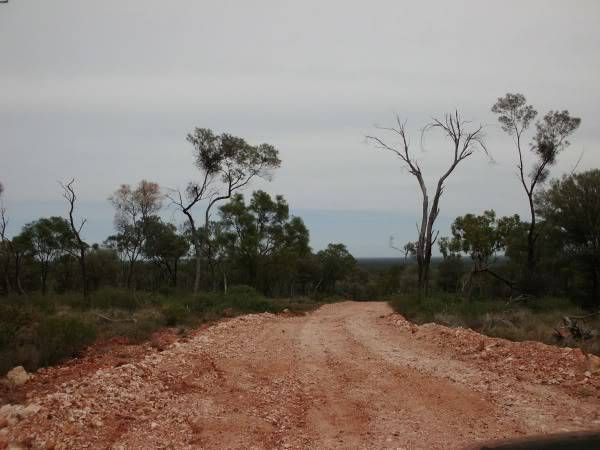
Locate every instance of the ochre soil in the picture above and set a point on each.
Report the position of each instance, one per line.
(349, 375)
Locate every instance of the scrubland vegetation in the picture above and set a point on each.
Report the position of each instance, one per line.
(42, 330)
(233, 253)
(534, 321)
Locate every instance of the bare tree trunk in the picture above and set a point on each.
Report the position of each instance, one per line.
(596, 286)
(198, 269)
(82, 267)
(6, 244)
(71, 197)
(422, 241)
(20, 289)
(174, 272)
(531, 256)
(44, 277)
(464, 143)
(197, 246)
(130, 273)
(7, 282)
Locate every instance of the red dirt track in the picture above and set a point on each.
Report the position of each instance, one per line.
(349, 375)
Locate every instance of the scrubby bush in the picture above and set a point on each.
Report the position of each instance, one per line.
(175, 313)
(107, 298)
(534, 320)
(238, 300)
(37, 331)
(62, 337)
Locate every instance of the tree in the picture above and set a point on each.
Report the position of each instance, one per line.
(103, 267)
(133, 210)
(46, 239)
(481, 237)
(5, 244)
(550, 139)
(262, 235)
(337, 263)
(165, 247)
(227, 164)
(10, 247)
(408, 249)
(572, 204)
(464, 142)
(80, 245)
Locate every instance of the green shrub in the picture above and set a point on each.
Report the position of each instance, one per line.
(108, 298)
(534, 320)
(246, 299)
(175, 313)
(238, 300)
(62, 337)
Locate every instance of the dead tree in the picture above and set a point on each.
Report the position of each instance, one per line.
(71, 197)
(463, 143)
(11, 249)
(5, 243)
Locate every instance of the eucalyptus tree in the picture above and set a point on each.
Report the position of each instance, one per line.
(336, 263)
(550, 139)
(572, 205)
(464, 141)
(134, 207)
(262, 236)
(165, 247)
(46, 239)
(481, 237)
(227, 164)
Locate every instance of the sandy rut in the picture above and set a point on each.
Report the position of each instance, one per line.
(349, 375)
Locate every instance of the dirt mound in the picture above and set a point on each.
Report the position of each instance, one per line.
(534, 362)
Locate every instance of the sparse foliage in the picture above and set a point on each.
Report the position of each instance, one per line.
(227, 164)
(133, 210)
(481, 237)
(550, 139)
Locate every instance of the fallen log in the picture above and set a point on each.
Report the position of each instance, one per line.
(110, 319)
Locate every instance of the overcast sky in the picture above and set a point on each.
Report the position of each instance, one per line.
(106, 91)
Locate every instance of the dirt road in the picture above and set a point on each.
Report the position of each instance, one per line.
(350, 375)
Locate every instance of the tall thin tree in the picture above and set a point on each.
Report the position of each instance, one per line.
(133, 210)
(464, 142)
(5, 244)
(227, 164)
(515, 117)
(71, 197)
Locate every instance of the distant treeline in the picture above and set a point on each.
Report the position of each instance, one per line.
(228, 238)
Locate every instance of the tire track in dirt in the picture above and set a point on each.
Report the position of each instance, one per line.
(343, 376)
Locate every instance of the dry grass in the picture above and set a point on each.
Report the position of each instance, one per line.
(535, 321)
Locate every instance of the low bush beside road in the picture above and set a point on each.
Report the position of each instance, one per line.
(38, 331)
(538, 319)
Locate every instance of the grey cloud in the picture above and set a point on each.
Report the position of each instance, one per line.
(106, 91)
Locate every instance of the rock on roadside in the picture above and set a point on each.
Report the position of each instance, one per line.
(11, 414)
(17, 376)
